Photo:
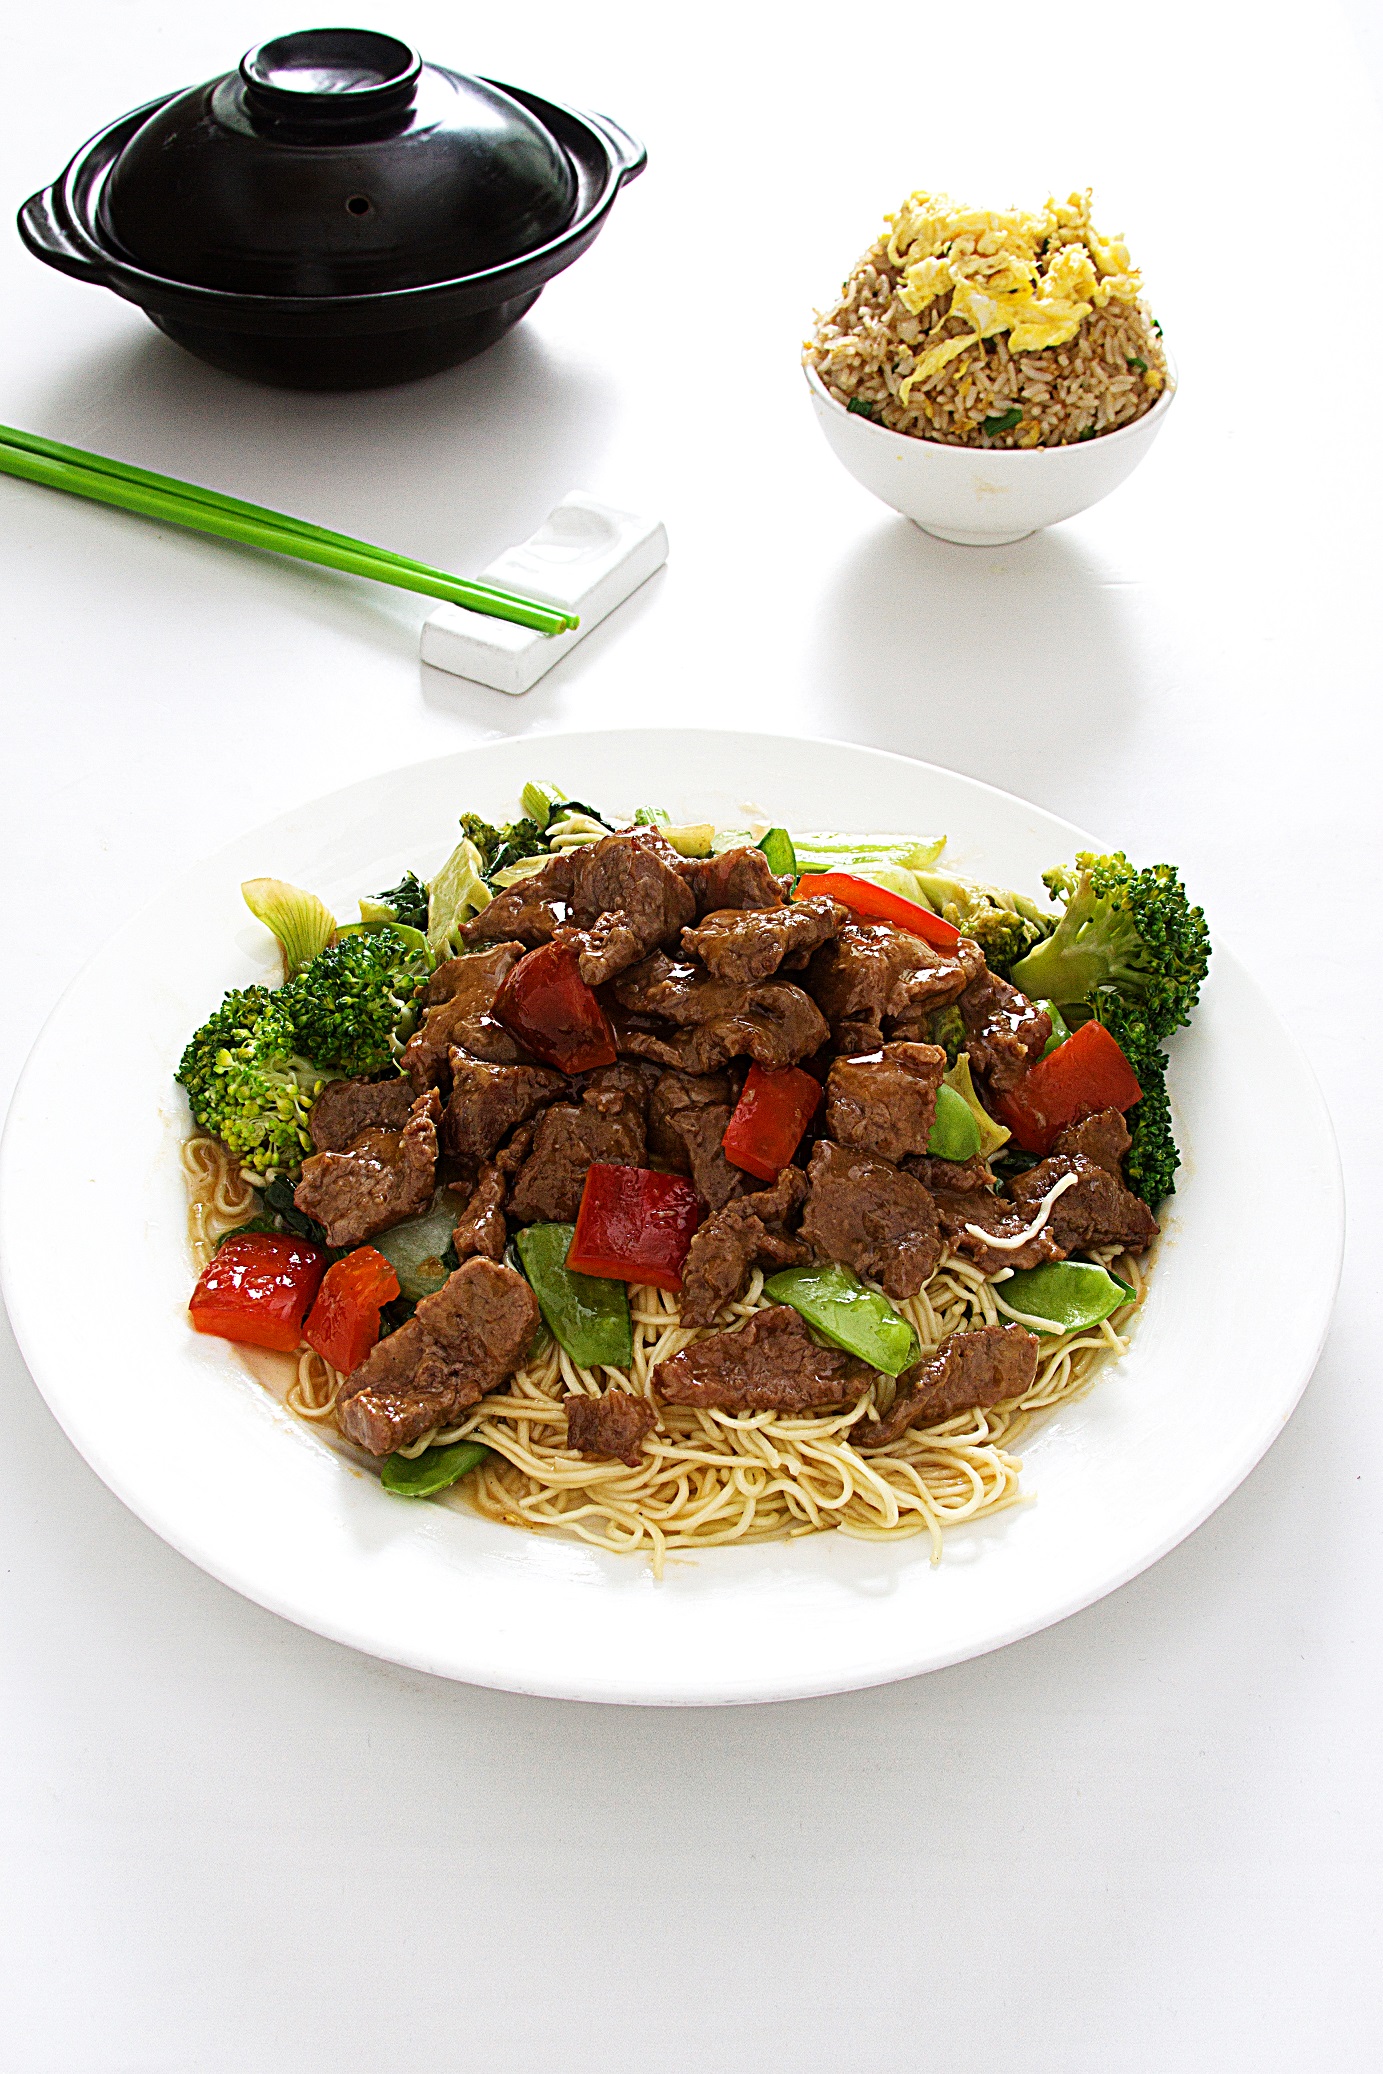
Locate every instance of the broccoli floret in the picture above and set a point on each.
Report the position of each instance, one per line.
(248, 1083)
(500, 847)
(1132, 931)
(407, 902)
(1005, 925)
(1151, 1161)
(946, 1027)
(354, 1005)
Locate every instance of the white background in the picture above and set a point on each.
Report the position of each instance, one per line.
(1149, 1839)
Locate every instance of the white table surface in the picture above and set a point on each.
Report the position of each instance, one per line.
(1148, 1839)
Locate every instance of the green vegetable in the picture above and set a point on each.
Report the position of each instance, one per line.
(782, 857)
(354, 1005)
(458, 892)
(247, 1082)
(692, 839)
(1004, 422)
(946, 1027)
(587, 1314)
(1132, 931)
(651, 817)
(417, 1249)
(435, 1469)
(405, 903)
(1062, 1295)
(836, 1302)
(1141, 365)
(266, 1224)
(1089, 433)
(860, 409)
(1151, 1162)
(302, 924)
(278, 1201)
(498, 848)
(1005, 925)
(956, 1132)
(992, 1135)
(1061, 1029)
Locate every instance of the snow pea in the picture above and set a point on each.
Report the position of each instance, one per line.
(419, 1250)
(421, 1476)
(836, 1302)
(782, 858)
(587, 1314)
(955, 1131)
(1061, 1029)
(1064, 1295)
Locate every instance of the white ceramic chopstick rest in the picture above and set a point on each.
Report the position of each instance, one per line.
(586, 557)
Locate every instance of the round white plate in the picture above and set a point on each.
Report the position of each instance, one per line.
(179, 1429)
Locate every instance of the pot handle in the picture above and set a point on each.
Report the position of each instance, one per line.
(629, 155)
(42, 232)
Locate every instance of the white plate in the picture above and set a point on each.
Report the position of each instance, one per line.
(176, 1426)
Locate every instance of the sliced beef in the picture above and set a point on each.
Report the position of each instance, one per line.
(871, 1216)
(770, 1364)
(1001, 1219)
(952, 1176)
(968, 1370)
(687, 1116)
(752, 1231)
(1005, 1033)
(606, 1128)
(610, 1428)
(714, 1020)
(737, 878)
(746, 943)
(626, 899)
(458, 1346)
(884, 1101)
(1103, 1139)
(345, 1108)
(457, 1000)
(1098, 1210)
(874, 981)
(530, 912)
(481, 1227)
(384, 1177)
(487, 1101)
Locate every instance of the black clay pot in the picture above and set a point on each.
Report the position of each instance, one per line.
(335, 214)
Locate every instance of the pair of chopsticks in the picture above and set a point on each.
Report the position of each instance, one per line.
(47, 461)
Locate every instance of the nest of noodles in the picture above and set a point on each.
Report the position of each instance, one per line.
(986, 267)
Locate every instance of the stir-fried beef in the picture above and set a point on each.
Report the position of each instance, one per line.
(345, 1108)
(1005, 1033)
(746, 943)
(745, 1233)
(968, 1370)
(458, 1346)
(610, 1428)
(481, 1227)
(607, 1128)
(487, 1101)
(952, 1176)
(530, 912)
(1103, 1139)
(770, 1364)
(872, 1217)
(874, 980)
(884, 1101)
(626, 899)
(999, 1218)
(384, 1177)
(715, 1020)
(737, 878)
(687, 1116)
(458, 999)
(1098, 1210)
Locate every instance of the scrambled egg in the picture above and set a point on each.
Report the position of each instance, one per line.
(1036, 277)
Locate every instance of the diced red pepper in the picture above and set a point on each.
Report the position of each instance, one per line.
(257, 1289)
(877, 904)
(634, 1226)
(1082, 1076)
(547, 1005)
(769, 1119)
(343, 1323)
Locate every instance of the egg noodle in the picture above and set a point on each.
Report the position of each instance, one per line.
(708, 1478)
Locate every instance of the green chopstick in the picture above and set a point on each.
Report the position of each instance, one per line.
(34, 459)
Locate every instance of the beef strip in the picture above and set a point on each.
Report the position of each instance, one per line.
(770, 1364)
(884, 1101)
(481, 1227)
(968, 1370)
(687, 1116)
(460, 1344)
(487, 1101)
(458, 999)
(345, 1108)
(530, 912)
(744, 1233)
(745, 943)
(1103, 1139)
(952, 1176)
(607, 1127)
(626, 899)
(1005, 1033)
(714, 1020)
(872, 1217)
(610, 1428)
(874, 980)
(737, 878)
(999, 1218)
(384, 1177)
(1099, 1210)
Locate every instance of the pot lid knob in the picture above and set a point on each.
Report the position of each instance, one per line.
(329, 77)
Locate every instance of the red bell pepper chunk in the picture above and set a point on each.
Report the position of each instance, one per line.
(634, 1226)
(769, 1119)
(1082, 1076)
(257, 1289)
(547, 1005)
(877, 904)
(343, 1323)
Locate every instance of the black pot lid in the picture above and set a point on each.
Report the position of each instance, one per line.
(335, 162)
